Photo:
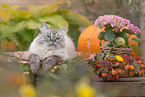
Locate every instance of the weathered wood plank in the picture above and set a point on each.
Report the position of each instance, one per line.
(6, 56)
(129, 79)
(140, 79)
(21, 54)
(120, 88)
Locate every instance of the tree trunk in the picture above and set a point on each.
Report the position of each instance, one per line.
(142, 26)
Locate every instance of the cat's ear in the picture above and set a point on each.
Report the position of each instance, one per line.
(63, 29)
(44, 26)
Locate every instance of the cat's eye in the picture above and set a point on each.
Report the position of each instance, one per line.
(48, 37)
(57, 38)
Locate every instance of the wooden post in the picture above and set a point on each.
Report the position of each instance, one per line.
(142, 26)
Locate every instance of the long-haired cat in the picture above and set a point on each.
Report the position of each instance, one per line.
(50, 46)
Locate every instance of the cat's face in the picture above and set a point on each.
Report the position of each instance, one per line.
(52, 38)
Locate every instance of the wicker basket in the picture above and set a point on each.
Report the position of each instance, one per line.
(115, 50)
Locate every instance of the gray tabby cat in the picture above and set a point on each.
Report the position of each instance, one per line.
(51, 46)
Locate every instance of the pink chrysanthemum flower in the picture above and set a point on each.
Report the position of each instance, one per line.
(133, 29)
(116, 21)
(113, 20)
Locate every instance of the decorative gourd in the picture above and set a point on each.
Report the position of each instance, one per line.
(88, 41)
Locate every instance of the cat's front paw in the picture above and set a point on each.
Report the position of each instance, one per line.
(49, 63)
(34, 63)
(46, 66)
(34, 68)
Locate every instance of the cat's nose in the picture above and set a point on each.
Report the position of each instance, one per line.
(53, 40)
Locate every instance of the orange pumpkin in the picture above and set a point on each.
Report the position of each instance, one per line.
(131, 42)
(88, 41)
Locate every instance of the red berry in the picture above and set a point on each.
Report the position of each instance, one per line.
(97, 66)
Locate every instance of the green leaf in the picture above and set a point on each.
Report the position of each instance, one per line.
(38, 11)
(26, 68)
(110, 44)
(136, 49)
(99, 43)
(65, 67)
(22, 14)
(75, 18)
(10, 11)
(113, 43)
(137, 39)
(62, 70)
(101, 35)
(55, 76)
(17, 27)
(31, 24)
(6, 33)
(109, 35)
(126, 31)
(57, 21)
(5, 6)
(25, 35)
(111, 56)
(120, 34)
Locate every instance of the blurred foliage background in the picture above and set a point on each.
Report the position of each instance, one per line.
(20, 27)
(20, 24)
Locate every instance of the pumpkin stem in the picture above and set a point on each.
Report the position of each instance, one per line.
(89, 46)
